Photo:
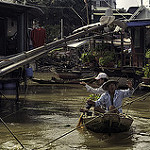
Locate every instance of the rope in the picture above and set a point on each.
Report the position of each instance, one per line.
(137, 99)
(144, 96)
(140, 116)
(8, 107)
(49, 143)
(8, 127)
(12, 133)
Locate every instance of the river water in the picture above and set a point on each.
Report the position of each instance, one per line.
(50, 111)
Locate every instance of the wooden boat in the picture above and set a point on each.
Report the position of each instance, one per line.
(69, 75)
(108, 123)
(144, 86)
(55, 81)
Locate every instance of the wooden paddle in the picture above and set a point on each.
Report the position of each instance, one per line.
(80, 120)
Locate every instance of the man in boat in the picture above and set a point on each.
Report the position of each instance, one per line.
(112, 98)
(101, 78)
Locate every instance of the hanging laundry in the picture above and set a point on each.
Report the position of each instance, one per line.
(38, 36)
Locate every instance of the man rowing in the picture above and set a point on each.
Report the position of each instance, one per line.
(111, 100)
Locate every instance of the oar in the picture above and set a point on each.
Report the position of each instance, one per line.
(80, 120)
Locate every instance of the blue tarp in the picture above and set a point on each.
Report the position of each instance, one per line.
(138, 23)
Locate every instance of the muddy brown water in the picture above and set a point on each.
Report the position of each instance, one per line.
(52, 110)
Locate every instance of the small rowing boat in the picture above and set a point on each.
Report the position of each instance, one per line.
(107, 122)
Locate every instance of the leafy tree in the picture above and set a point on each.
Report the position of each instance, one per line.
(71, 11)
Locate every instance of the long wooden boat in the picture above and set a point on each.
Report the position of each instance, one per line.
(73, 81)
(69, 75)
(108, 123)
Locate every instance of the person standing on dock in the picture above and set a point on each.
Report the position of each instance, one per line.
(101, 78)
(112, 98)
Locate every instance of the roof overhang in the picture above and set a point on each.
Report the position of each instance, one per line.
(19, 8)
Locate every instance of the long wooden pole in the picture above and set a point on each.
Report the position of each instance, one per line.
(34, 54)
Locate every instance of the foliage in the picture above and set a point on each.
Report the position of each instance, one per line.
(147, 55)
(52, 32)
(68, 10)
(119, 63)
(87, 57)
(93, 97)
(146, 70)
(107, 58)
(71, 11)
(139, 73)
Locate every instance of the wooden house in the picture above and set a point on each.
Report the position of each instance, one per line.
(139, 28)
(15, 22)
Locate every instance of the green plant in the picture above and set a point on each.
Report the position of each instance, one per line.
(147, 55)
(146, 70)
(52, 32)
(139, 73)
(93, 97)
(119, 63)
(87, 57)
(107, 58)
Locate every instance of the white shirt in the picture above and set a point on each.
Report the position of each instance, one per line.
(94, 90)
(105, 99)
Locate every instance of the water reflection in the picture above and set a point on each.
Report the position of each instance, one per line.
(114, 141)
(50, 111)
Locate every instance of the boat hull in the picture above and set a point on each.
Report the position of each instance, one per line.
(108, 123)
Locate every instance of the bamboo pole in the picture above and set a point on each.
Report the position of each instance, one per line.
(34, 54)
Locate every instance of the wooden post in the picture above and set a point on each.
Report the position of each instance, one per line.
(87, 11)
(17, 91)
(122, 50)
(62, 29)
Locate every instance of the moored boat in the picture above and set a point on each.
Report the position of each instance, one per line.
(55, 81)
(69, 75)
(108, 122)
